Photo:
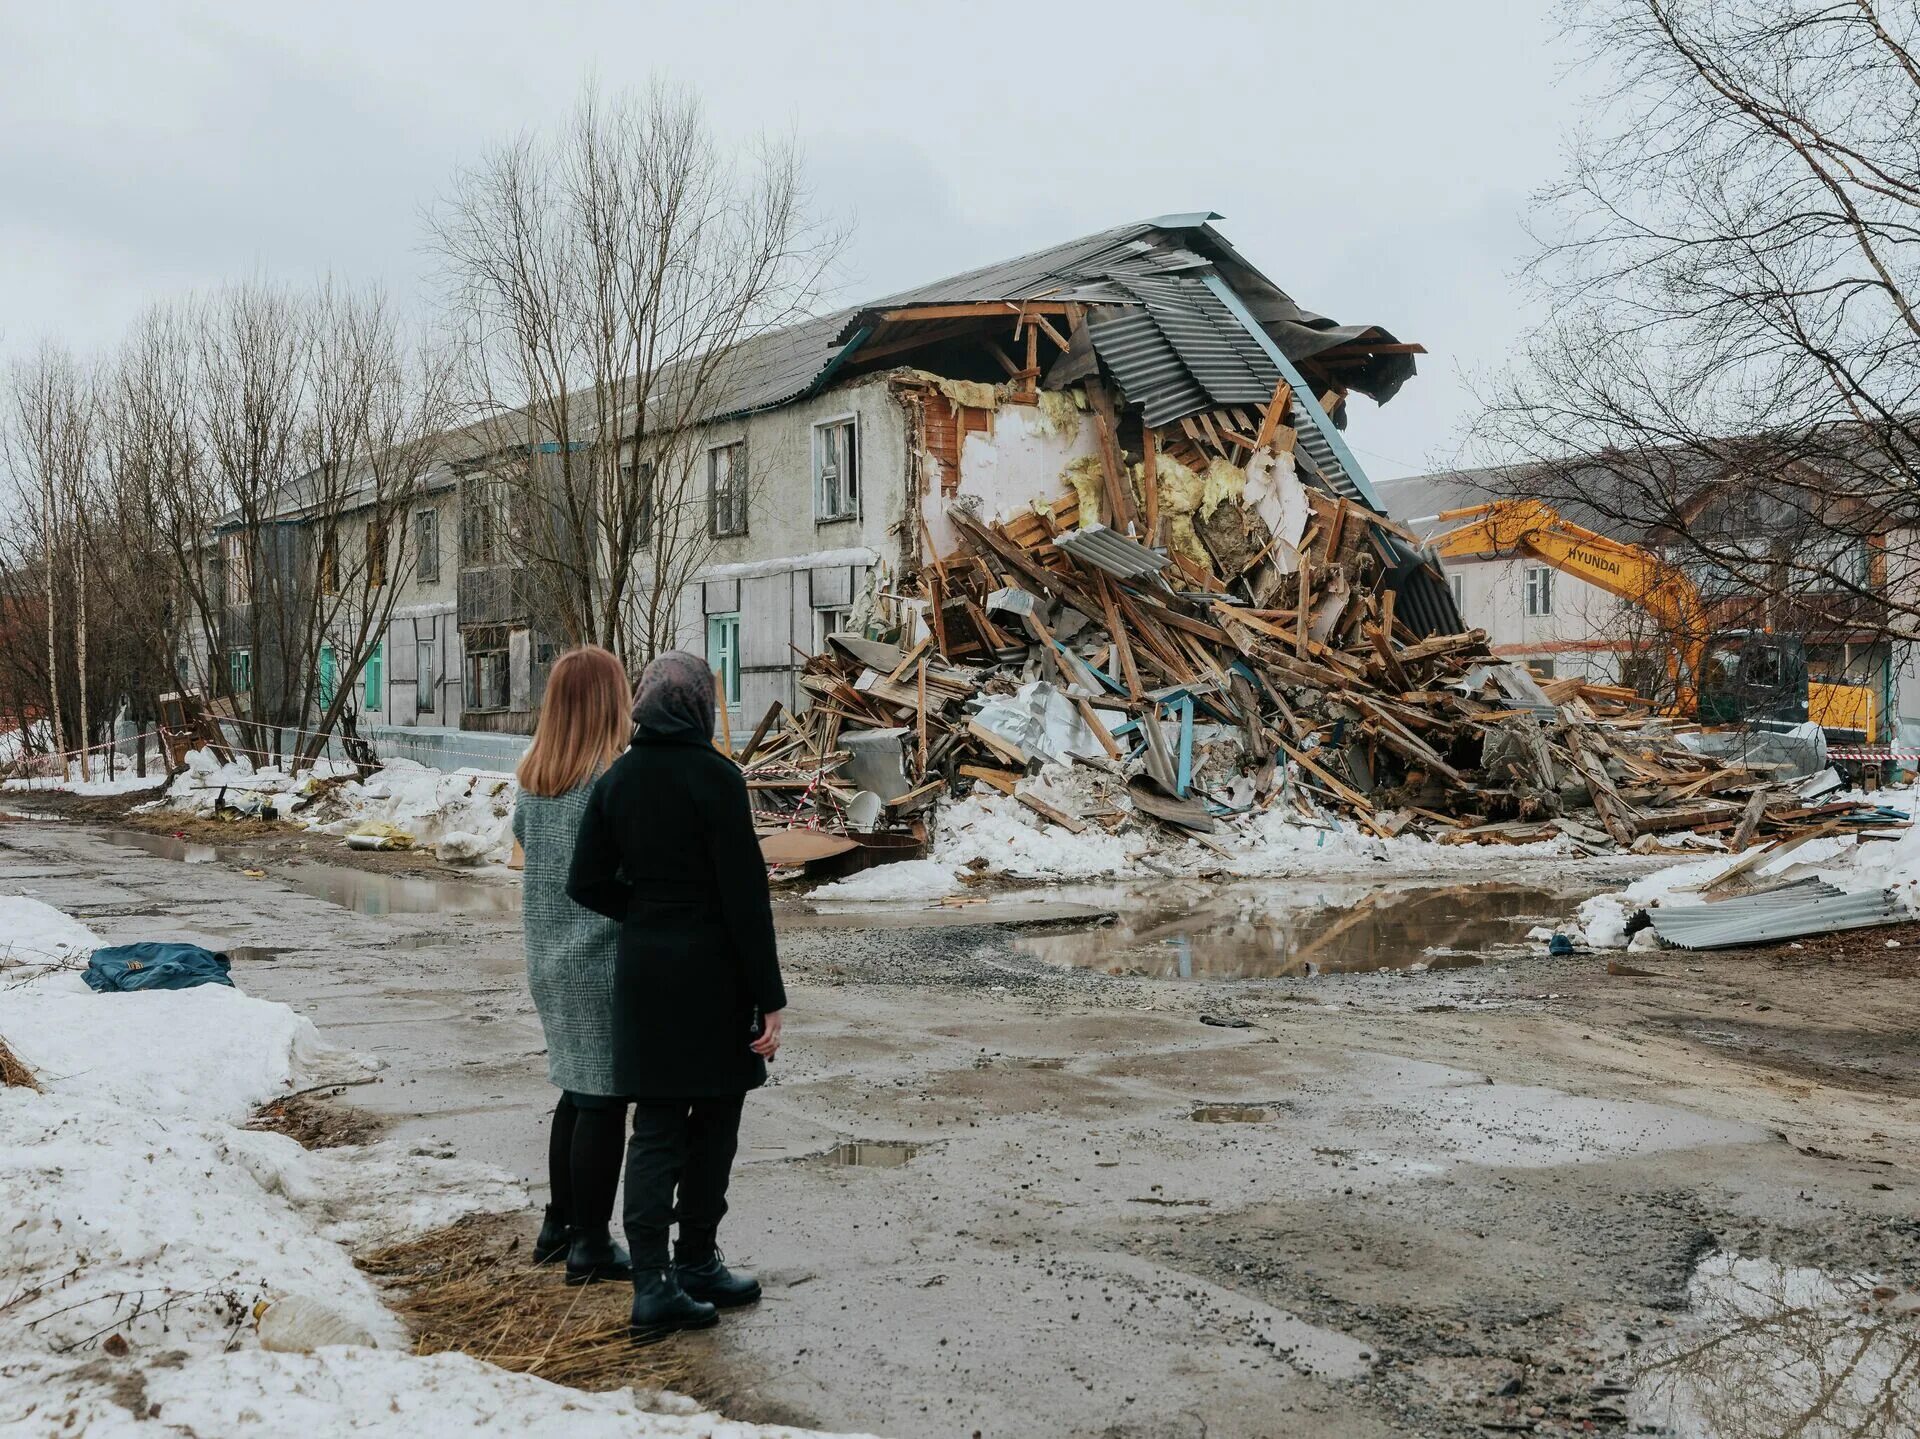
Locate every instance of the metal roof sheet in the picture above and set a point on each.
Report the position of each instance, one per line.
(1814, 907)
(1115, 553)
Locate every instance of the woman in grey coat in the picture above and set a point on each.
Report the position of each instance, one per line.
(570, 960)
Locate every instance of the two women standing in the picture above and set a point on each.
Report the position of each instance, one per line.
(651, 956)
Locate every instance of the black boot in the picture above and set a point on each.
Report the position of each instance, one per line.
(709, 1278)
(595, 1258)
(661, 1307)
(554, 1239)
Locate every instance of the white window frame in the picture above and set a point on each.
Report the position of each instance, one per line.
(734, 490)
(723, 653)
(1539, 588)
(836, 486)
(829, 620)
(1457, 582)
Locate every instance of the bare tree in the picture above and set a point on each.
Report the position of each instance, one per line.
(1732, 275)
(601, 283)
(49, 444)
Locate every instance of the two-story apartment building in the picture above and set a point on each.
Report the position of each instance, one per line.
(832, 459)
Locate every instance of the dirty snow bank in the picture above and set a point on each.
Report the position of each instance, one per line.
(142, 1229)
(1845, 861)
(994, 834)
(463, 816)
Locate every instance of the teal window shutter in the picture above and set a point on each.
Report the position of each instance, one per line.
(373, 677)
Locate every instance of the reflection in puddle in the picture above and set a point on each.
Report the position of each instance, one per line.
(1289, 933)
(871, 1153)
(1771, 1351)
(366, 892)
(250, 953)
(1231, 1113)
(167, 846)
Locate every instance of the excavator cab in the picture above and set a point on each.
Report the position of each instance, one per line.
(1753, 675)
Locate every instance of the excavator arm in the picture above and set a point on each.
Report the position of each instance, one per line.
(1627, 571)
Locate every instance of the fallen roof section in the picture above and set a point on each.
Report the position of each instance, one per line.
(1814, 907)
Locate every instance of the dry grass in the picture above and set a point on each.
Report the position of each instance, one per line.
(317, 1123)
(14, 1073)
(472, 1287)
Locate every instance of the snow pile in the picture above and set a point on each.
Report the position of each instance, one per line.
(143, 1228)
(995, 834)
(464, 816)
(92, 780)
(32, 933)
(913, 879)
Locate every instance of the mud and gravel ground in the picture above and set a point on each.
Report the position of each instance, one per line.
(1451, 1202)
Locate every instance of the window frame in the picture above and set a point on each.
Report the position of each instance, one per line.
(481, 644)
(485, 517)
(426, 544)
(735, 490)
(373, 679)
(376, 553)
(425, 684)
(239, 669)
(846, 477)
(1457, 582)
(1539, 591)
(237, 567)
(822, 627)
(726, 663)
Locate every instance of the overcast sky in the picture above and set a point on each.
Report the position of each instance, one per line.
(1374, 160)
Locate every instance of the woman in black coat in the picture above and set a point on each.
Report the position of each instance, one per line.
(667, 848)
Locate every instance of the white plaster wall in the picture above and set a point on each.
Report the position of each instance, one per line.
(1585, 619)
(1008, 467)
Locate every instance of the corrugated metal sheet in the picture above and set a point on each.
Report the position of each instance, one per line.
(1115, 553)
(1146, 365)
(1811, 908)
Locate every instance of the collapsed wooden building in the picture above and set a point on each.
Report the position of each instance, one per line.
(1138, 578)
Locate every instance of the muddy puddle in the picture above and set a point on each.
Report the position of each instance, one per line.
(363, 891)
(166, 846)
(1282, 932)
(870, 1153)
(366, 892)
(1230, 1114)
(1766, 1350)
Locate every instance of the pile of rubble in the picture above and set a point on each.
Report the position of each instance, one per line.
(1282, 648)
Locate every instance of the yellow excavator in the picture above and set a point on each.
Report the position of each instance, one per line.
(1718, 677)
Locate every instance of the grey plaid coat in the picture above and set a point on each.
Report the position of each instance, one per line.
(570, 950)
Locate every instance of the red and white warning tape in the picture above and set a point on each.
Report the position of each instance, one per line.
(1868, 754)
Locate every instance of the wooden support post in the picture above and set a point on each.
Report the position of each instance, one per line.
(1112, 462)
(1150, 484)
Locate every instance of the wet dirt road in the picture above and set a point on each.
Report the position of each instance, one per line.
(1464, 1200)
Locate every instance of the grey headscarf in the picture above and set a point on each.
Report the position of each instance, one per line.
(675, 699)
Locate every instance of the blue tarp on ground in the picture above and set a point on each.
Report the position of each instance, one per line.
(155, 964)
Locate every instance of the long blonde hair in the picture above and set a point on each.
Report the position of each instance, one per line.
(583, 722)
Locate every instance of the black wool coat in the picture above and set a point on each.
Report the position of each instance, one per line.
(667, 848)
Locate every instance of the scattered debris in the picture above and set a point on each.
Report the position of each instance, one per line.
(1232, 641)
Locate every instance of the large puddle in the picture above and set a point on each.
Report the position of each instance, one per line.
(361, 890)
(1294, 930)
(1769, 1351)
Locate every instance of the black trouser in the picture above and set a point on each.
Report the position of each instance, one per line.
(583, 1158)
(683, 1144)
